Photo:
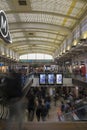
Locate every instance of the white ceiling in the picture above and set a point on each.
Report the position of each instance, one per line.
(41, 26)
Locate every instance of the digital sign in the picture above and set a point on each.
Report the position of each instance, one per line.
(51, 79)
(59, 79)
(42, 79)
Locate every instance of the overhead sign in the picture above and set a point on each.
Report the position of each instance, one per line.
(4, 29)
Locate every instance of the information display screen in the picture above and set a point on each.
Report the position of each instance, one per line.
(42, 79)
(51, 79)
(59, 79)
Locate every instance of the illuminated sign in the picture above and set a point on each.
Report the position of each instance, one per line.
(4, 29)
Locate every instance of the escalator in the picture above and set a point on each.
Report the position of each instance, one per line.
(78, 114)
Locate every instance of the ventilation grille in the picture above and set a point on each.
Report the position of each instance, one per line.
(22, 2)
(31, 34)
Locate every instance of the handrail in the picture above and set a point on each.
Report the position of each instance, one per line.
(3, 112)
(74, 113)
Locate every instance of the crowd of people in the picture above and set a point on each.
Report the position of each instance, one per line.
(38, 99)
(38, 104)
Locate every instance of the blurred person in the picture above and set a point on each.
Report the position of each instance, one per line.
(62, 106)
(38, 110)
(14, 95)
(47, 103)
(16, 115)
(13, 87)
(23, 77)
(43, 111)
(55, 99)
(60, 114)
(31, 106)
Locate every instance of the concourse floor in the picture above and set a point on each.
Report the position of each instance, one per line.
(49, 126)
(56, 126)
(51, 123)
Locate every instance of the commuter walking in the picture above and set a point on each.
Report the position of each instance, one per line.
(43, 111)
(55, 99)
(31, 106)
(38, 110)
(60, 114)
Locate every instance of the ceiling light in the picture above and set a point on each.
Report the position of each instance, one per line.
(68, 48)
(74, 43)
(84, 36)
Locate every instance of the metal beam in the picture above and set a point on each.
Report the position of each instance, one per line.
(32, 42)
(36, 37)
(39, 25)
(34, 46)
(42, 12)
(38, 30)
(35, 51)
(39, 45)
(70, 11)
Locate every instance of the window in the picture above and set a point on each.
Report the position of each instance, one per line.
(36, 56)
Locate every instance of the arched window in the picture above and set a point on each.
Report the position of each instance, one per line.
(36, 56)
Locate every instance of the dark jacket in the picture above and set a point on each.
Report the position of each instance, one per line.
(12, 86)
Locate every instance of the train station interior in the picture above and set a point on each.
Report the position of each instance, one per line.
(43, 64)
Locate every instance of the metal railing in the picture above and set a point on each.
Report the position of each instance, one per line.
(78, 114)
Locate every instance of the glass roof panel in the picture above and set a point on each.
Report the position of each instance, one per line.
(42, 34)
(4, 5)
(69, 23)
(19, 39)
(56, 41)
(33, 39)
(58, 6)
(44, 18)
(80, 5)
(57, 20)
(45, 34)
(42, 30)
(30, 48)
(11, 18)
(59, 37)
(16, 30)
(47, 20)
(40, 39)
(19, 34)
(51, 5)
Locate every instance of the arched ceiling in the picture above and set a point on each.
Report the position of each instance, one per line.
(41, 26)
